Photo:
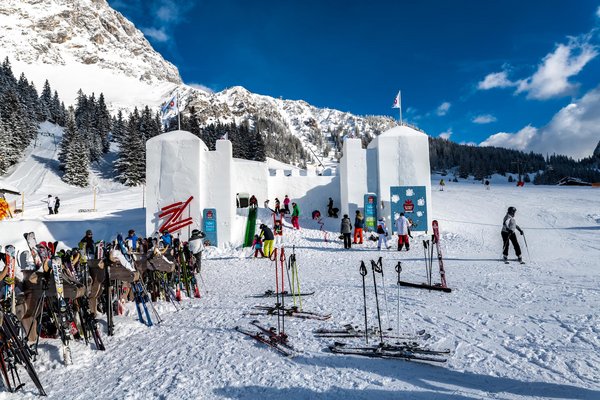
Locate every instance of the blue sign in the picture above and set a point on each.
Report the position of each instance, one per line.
(412, 201)
(209, 222)
(370, 212)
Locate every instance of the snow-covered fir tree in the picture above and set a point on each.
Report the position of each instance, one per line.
(77, 164)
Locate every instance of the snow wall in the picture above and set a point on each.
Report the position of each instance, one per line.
(179, 165)
(401, 158)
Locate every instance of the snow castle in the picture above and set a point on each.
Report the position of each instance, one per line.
(187, 185)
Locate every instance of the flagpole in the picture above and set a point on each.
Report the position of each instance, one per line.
(178, 117)
(400, 105)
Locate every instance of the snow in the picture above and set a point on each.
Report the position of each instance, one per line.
(517, 331)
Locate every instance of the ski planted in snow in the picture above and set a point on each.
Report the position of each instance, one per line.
(62, 314)
(436, 238)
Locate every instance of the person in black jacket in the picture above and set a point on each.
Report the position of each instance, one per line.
(346, 231)
(267, 235)
(90, 247)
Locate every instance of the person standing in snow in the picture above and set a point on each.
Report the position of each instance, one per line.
(277, 205)
(257, 246)
(487, 185)
(383, 234)
(286, 204)
(509, 225)
(56, 204)
(442, 184)
(359, 224)
(278, 227)
(330, 207)
(51, 203)
(346, 231)
(295, 215)
(267, 235)
(253, 202)
(196, 246)
(403, 231)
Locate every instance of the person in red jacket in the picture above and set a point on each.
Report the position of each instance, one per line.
(286, 204)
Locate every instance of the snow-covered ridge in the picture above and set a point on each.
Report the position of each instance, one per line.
(82, 31)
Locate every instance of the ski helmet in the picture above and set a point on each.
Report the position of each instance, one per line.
(512, 210)
(88, 232)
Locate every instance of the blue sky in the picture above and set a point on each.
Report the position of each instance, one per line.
(517, 74)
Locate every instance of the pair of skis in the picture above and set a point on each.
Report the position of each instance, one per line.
(351, 331)
(293, 312)
(41, 254)
(442, 286)
(402, 351)
(278, 341)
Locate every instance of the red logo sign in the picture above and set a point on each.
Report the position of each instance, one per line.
(173, 213)
(409, 206)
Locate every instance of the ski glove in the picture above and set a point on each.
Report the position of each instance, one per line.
(521, 232)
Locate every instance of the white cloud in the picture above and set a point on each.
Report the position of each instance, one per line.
(202, 87)
(443, 109)
(518, 141)
(484, 119)
(157, 34)
(551, 78)
(573, 131)
(446, 135)
(496, 80)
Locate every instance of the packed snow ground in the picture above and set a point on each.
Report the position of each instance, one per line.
(517, 331)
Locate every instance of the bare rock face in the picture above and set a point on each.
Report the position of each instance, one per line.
(85, 31)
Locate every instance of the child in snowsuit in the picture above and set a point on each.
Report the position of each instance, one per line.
(359, 224)
(278, 227)
(257, 246)
(383, 234)
(277, 205)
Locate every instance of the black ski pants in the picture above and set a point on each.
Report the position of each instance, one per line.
(347, 240)
(512, 237)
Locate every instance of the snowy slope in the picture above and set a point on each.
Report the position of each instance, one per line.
(518, 332)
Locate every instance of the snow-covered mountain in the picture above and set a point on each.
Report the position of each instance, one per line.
(86, 44)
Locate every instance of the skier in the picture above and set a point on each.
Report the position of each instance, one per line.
(383, 233)
(267, 236)
(51, 203)
(346, 231)
(56, 204)
(277, 205)
(257, 246)
(508, 233)
(359, 224)
(487, 185)
(131, 240)
(286, 204)
(295, 215)
(442, 184)
(196, 246)
(89, 246)
(403, 231)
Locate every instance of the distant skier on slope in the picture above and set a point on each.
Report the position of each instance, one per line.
(51, 203)
(508, 234)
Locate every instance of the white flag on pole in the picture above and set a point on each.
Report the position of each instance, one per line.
(397, 101)
(169, 108)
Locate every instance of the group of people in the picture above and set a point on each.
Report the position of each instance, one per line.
(402, 229)
(53, 204)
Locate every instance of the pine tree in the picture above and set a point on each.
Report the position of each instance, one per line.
(69, 135)
(131, 158)
(46, 102)
(103, 121)
(77, 164)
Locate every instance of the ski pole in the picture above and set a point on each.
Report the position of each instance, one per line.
(431, 260)
(363, 272)
(373, 267)
(387, 309)
(527, 247)
(426, 260)
(277, 303)
(398, 270)
(282, 262)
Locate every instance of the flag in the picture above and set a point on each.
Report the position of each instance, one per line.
(397, 101)
(169, 108)
(224, 137)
